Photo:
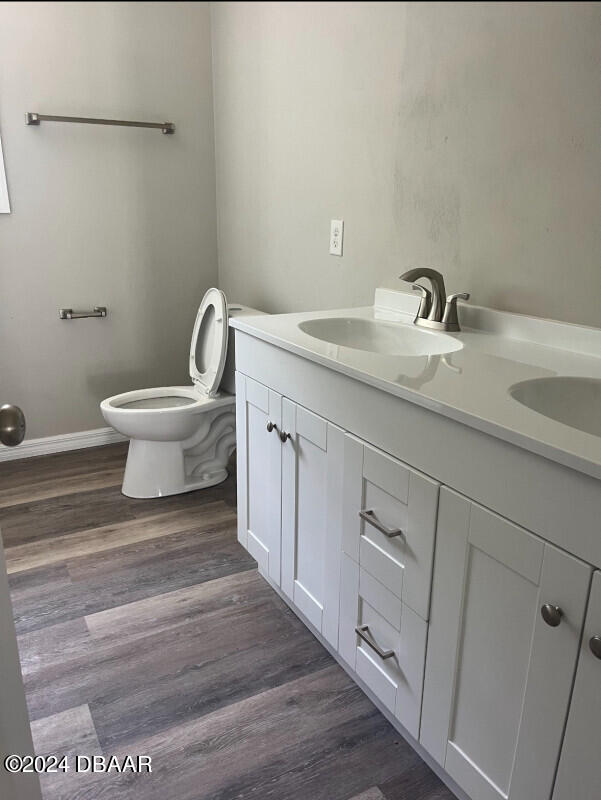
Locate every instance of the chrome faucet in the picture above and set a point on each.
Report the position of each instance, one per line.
(431, 313)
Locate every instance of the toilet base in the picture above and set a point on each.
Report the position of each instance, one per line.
(133, 488)
(160, 469)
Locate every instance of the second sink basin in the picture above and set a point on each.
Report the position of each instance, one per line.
(573, 401)
(388, 338)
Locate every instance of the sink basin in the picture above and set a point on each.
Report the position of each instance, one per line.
(574, 401)
(388, 338)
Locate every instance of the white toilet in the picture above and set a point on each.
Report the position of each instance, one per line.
(181, 437)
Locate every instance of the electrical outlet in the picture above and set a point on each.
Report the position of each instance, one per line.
(336, 236)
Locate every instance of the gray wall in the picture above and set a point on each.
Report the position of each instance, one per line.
(102, 215)
(461, 136)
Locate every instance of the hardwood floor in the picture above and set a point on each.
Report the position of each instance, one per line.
(145, 629)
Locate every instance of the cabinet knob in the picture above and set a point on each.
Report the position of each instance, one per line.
(271, 426)
(595, 645)
(284, 436)
(551, 614)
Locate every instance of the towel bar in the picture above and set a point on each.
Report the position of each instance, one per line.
(68, 313)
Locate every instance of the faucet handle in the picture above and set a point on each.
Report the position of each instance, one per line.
(449, 317)
(425, 302)
(452, 298)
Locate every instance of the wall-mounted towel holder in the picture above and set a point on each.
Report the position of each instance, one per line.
(68, 313)
(32, 118)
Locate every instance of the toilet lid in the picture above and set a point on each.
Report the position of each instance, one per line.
(208, 350)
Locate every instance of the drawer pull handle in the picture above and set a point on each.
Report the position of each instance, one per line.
(284, 436)
(369, 516)
(362, 632)
(271, 426)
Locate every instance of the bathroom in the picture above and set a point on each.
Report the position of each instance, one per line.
(275, 523)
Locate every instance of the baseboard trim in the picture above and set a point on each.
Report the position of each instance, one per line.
(58, 444)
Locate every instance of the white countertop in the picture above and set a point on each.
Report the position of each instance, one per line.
(470, 385)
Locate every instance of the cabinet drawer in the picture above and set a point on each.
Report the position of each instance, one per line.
(391, 662)
(389, 522)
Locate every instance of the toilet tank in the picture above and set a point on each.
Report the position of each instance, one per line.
(228, 381)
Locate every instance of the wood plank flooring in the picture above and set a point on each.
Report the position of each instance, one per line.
(145, 629)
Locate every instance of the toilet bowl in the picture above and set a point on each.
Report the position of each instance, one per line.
(181, 437)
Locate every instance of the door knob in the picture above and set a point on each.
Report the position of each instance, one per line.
(271, 426)
(551, 614)
(12, 425)
(284, 436)
(595, 645)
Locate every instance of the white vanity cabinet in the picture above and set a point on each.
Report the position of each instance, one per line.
(423, 551)
(580, 762)
(310, 494)
(498, 676)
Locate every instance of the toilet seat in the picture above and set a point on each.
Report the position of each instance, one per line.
(163, 413)
(208, 353)
(208, 349)
(154, 401)
(174, 399)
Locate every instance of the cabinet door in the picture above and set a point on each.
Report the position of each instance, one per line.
(498, 677)
(579, 775)
(259, 473)
(311, 516)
